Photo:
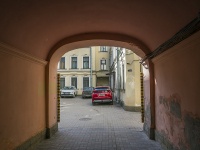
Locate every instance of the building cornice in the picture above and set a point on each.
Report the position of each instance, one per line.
(5, 48)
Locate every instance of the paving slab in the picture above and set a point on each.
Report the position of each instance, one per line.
(99, 127)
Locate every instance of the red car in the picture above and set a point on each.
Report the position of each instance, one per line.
(102, 94)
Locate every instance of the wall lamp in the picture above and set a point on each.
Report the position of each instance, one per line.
(144, 64)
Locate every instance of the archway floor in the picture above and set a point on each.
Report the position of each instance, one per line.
(98, 127)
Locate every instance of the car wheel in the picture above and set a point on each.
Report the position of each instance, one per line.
(93, 103)
(74, 95)
(111, 103)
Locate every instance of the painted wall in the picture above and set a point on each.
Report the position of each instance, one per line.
(99, 56)
(133, 87)
(79, 73)
(148, 87)
(177, 82)
(22, 97)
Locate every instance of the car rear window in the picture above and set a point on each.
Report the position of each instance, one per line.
(87, 88)
(101, 89)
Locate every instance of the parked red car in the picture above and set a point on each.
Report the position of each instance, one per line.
(102, 94)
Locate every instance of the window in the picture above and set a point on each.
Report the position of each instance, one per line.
(86, 82)
(62, 63)
(74, 81)
(74, 62)
(86, 62)
(103, 49)
(103, 64)
(62, 83)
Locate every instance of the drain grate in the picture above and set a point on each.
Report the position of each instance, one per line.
(85, 119)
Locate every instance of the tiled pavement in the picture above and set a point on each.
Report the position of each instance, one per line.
(99, 127)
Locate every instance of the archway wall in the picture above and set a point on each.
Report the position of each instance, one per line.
(177, 78)
(149, 99)
(22, 98)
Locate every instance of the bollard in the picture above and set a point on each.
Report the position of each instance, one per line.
(58, 97)
(142, 97)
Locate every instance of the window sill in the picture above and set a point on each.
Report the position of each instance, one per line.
(61, 69)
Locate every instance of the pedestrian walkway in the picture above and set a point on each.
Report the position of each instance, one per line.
(99, 127)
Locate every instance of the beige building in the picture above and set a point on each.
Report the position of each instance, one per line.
(132, 98)
(125, 78)
(90, 66)
(84, 67)
(102, 65)
(76, 69)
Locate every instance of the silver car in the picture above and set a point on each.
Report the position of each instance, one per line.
(68, 91)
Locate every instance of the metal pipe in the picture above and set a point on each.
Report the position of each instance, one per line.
(118, 77)
(91, 67)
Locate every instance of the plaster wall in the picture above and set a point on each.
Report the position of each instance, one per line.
(99, 56)
(22, 97)
(133, 86)
(79, 77)
(79, 73)
(177, 80)
(148, 101)
(79, 53)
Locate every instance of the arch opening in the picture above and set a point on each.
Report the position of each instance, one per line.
(87, 40)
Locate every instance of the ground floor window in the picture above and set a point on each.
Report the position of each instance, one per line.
(86, 82)
(74, 81)
(62, 83)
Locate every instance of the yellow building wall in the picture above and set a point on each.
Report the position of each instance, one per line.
(79, 73)
(100, 55)
(132, 96)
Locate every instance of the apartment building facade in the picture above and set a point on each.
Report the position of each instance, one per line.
(84, 67)
(116, 67)
(102, 65)
(125, 71)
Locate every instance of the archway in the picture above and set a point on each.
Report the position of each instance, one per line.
(100, 39)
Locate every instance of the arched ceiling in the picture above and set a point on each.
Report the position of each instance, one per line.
(36, 26)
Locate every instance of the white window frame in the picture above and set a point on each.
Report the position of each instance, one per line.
(71, 62)
(105, 64)
(59, 67)
(102, 47)
(76, 80)
(86, 77)
(64, 80)
(89, 62)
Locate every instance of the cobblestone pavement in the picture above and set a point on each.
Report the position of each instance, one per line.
(99, 127)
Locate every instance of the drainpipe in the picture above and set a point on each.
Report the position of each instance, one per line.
(118, 76)
(91, 66)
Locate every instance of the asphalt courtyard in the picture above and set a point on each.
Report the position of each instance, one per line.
(99, 127)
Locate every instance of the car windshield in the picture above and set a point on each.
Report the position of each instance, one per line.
(68, 88)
